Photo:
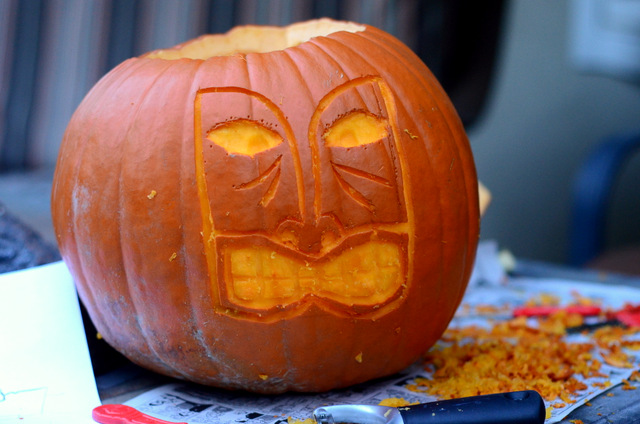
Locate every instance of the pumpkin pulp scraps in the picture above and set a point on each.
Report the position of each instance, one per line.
(521, 354)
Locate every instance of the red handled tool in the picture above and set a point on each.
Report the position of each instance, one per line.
(123, 414)
(629, 316)
(545, 310)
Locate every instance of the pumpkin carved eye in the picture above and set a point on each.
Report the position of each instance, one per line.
(356, 129)
(244, 137)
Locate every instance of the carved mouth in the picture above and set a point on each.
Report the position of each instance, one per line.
(367, 275)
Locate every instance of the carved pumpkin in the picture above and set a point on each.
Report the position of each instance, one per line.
(272, 209)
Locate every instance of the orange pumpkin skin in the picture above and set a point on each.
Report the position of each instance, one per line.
(295, 260)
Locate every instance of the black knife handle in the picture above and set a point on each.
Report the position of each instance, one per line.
(524, 407)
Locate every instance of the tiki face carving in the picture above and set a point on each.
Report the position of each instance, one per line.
(295, 215)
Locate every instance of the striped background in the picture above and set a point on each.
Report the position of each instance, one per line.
(53, 51)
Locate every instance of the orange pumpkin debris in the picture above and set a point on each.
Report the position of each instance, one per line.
(513, 355)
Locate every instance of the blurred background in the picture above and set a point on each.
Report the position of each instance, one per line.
(539, 84)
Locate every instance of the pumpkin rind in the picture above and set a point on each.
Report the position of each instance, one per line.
(145, 241)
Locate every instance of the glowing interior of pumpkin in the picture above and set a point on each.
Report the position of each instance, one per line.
(260, 278)
(244, 137)
(356, 129)
(254, 39)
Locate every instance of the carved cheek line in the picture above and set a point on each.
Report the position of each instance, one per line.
(273, 186)
(262, 177)
(362, 174)
(271, 191)
(351, 191)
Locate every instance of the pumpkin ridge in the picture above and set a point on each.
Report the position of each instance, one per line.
(187, 165)
(302, 201)
(450, 113)
(249, 86)
(149, 338)
(467, 258)
(445, 112)
(313, 144)
(397, 149)
(329, 55)
(87, 289)
(248, 70)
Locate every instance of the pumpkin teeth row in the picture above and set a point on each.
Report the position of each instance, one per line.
(261, 278)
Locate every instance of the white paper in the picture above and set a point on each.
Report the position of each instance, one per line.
(45, 367)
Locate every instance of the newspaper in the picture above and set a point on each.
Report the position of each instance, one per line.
(185, 402)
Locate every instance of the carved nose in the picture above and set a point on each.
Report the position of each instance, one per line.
(311, 237)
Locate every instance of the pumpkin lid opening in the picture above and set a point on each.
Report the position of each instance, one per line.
(254, 39)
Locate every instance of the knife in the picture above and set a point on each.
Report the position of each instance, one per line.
(523, 407)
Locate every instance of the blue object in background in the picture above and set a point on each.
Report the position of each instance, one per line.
(592, 192)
